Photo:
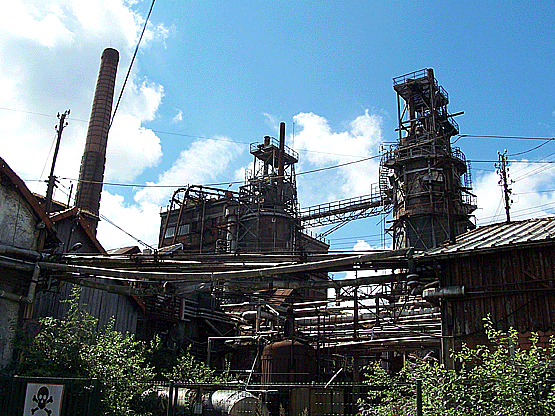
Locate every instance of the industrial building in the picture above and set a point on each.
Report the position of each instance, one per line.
(237, 277)
(262, 217)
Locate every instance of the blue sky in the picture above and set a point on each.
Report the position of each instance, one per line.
(232, 70)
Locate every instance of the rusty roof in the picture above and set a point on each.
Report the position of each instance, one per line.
(77, 213)
(25, 192)
(125, 250)
(499, 236)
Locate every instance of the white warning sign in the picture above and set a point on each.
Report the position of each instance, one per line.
(43, 399)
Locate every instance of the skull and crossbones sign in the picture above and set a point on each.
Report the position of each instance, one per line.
(42, 398)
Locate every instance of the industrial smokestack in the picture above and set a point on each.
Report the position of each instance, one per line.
(281, 155)
(91, 174)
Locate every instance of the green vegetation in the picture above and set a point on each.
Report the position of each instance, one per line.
(496, 380)
(72, 347)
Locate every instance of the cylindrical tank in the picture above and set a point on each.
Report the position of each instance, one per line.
(288, 362)
(271, 231)
(234, 403)
(230, 214)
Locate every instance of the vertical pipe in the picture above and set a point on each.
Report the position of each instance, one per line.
(202, 222)
(432, 92)
(355, 309)
(209, 352)
(93, 162)
(179, 215)
(281, 162)
(169, 411)
(399, 116)
(419, 398)
(266, 144)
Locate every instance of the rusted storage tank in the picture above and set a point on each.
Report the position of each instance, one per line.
(275, 231)
(234, 403)
(288, 362)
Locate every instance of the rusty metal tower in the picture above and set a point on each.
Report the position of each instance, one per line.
(269, 208)
(427, 179)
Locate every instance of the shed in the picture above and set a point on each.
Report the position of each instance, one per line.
(505, 271)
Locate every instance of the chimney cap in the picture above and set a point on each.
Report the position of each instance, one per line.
(110, 54)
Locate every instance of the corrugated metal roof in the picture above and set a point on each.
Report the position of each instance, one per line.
(495, 236)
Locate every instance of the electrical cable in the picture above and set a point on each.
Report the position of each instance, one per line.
(131, 65)
(530, 150)
(523, 211)
(103, 217)
(505, 137)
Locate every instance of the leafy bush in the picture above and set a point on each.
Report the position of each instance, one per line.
(72, 347)
(500, 379)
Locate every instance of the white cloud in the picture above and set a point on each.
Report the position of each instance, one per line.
(127, 217)
(272, 122)
(362, 245)
(145, 209)
(319, 147)
(40, 22)
(533, 194)
(191, 167)
(50, 58)
(178, 117)
(131, 149)
(142, 100)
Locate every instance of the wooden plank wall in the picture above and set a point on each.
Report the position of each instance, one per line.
(515, 287)
(99, 303)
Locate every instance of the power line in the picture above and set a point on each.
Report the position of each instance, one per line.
(138, 185)
(40, 114)
(522, 211)
(103, 217)
(131, 64)
(530, 150)
(486, 136)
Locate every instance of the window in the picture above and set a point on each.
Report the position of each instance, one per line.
(170, 232)
(184, 229)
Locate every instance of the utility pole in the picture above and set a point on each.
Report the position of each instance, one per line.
(502, 171)
(52, 179)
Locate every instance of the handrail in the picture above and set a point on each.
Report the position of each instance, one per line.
(273, 142)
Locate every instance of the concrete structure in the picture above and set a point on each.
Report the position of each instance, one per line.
(25, 230)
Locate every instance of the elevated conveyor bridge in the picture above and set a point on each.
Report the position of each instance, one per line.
(343, 211)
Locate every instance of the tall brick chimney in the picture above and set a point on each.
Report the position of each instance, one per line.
(91, 175)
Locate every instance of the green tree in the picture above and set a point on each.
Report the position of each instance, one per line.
(500, 379)
(72, 347)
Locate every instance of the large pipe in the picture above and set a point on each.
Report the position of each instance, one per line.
(281, 155)
(91, 174)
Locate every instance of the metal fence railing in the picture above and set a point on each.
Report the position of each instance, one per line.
(82, 397)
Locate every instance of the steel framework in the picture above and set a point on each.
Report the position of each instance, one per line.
(427, 180)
